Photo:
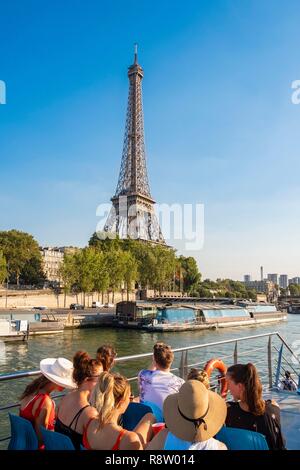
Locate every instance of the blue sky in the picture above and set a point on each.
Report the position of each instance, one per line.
(220, 125)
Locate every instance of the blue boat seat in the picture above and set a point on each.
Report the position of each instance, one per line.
(155, 410)
(23, 436)
(242, 439)
(56, 440)
(133, 415)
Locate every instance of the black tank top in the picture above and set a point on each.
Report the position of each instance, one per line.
(75, 436)
(267, 424)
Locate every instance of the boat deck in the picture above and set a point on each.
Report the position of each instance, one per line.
(289, 403)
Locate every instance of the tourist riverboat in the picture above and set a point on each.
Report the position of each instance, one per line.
(194, 315)
(11, 330)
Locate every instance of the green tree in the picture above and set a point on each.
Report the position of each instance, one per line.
(106, 245)
(165, 262)
(20, 250)
(294, 290)
(191, 275)
(32, 272)
(101, 280)
(85, 269)
(3, 268)
(116, 270)
(68, 274)
(130, 270)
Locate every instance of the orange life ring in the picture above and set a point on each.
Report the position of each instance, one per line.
(221, 367)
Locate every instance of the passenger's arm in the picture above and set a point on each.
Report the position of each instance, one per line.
(43, 418)
(144, 428)
(158, 441)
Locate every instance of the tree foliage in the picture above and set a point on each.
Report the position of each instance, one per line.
(3, 268)
(24, 262)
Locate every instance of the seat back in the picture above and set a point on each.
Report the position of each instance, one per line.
(242, 439)
(134, 414)
(155, 410)
(23, 436)
(56, 440)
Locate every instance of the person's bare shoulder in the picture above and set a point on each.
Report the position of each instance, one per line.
(273, 402)
(91, 412)
(131, 441)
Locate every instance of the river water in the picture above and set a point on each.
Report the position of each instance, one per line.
(26, 356)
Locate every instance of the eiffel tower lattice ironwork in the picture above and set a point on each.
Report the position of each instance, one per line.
(132, 214)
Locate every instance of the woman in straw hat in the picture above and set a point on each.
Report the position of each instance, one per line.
(193, 416)
(36, 404)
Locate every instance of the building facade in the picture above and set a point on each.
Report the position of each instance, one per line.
(294, 280)
(283, 281)
(273, 278)
(52, 258)
(265, 286)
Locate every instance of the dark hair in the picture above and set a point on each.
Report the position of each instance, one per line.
(84, 367)
(287, 374)
(163, 355)
(247, 375)
(35, 386)
(106, 355)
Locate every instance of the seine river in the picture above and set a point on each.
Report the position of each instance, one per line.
(26, 356)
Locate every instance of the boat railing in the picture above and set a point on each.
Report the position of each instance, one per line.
(271, 355)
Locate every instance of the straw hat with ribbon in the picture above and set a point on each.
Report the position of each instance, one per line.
(194, 413)
(58, 371)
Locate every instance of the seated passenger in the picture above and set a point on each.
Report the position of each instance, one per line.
(193, 416)
(111, 397)
(106, 356)
(288, 383)
(250, 410)
(74, 410)
(157, 382)
(36, 404)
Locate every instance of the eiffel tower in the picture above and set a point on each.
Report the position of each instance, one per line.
(132, 214)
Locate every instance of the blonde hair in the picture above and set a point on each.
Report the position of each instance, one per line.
(109, 391)
(200, 375)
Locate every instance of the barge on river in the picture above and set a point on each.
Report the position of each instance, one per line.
(194, 315)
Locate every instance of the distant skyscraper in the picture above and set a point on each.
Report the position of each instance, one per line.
(294, 280)
(283, 281)
(261, 273)
(273, 278)
(247, 278)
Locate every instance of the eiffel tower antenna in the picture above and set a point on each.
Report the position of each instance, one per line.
(132, 214)
(135, 53)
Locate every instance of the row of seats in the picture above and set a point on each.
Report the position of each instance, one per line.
(23, 436)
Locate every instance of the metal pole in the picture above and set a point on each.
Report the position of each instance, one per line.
(7, 280)
(235, 354)
(183, 365)
(278, 366)
(270, 360)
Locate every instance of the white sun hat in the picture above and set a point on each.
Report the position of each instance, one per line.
(59, 371)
